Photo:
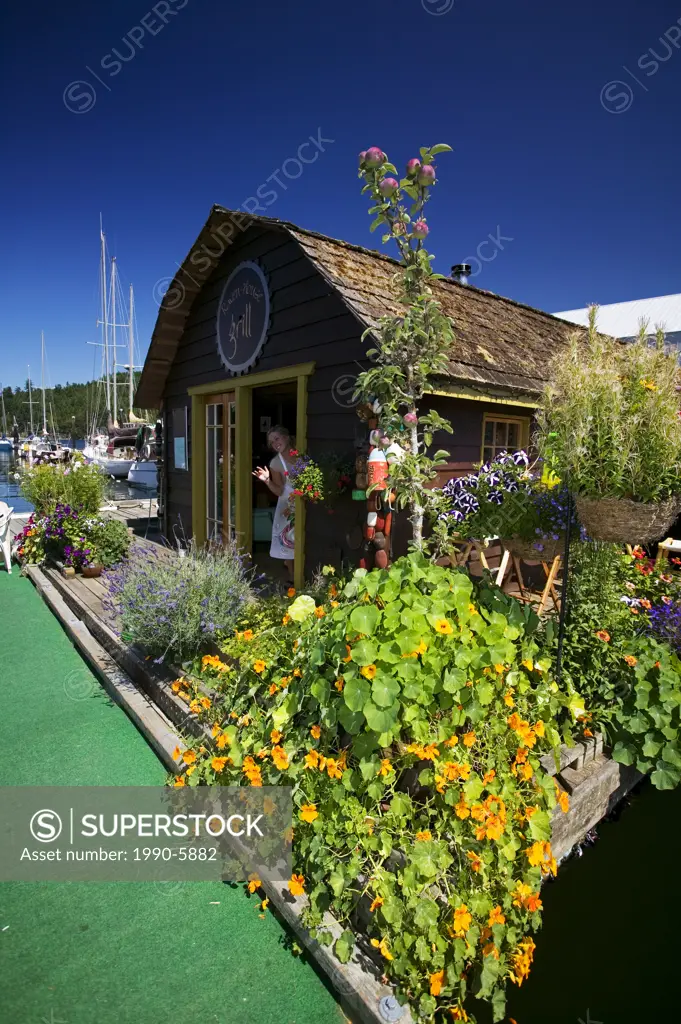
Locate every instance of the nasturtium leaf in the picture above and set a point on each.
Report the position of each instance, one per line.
(665, 776)
(540, 826)
(392, 911)
(638, 723)
(423, 857)
(320, 689)
(365, 618)
(364, 652)
(375, 789)
(401, 805)
(671, 753)
(426, 914)
(351, 721)
(364, 744)
(652, 745)
(337, 883)
(345, 943)
(473, 788)
(624, 753)
(484, 691)
(368, 767)
(422, 950)
(384, 690)
(381, 719)
(454, 679)
(356, 693)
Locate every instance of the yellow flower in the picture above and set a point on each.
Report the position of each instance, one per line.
(469, 739)
(339, 684)
(452, 741)
(296, 885)
(311, 759)
(285, 680)
(424, 837)
(436, 981)
(308, 812)
(280, 758)
(179, 781)
(218, 763)
(382, 947)
(527, 663)
(275, 735)
(499, 668)
(496, 917)
(539, 728)
(333, 769)
(188, 756)
(254, 882)
(205, 702)
(476, 863)
(265, 904)
(368, 671)
(443, 627)
(377, 902)
(176, 753)
(297, 672)
(315, 732)
(335, 604)
(386, 767)
(259, 666)
(319, 612)
(462, 921)
(273, 689)
(650, 385)
(461, 809)
(222, 741)
(195, 706)
(286, 620)
(247, 634)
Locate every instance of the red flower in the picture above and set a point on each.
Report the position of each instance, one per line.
(294, 451)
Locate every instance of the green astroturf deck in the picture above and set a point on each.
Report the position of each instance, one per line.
(119, 953)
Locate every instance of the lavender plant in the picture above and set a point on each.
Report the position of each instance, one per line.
(665, 624)
(173, 606)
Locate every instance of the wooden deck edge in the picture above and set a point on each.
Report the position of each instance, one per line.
(146, 716)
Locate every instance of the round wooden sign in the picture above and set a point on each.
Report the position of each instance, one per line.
(243, 317)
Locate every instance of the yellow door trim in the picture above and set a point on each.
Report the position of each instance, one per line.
(243, 388)
(254, 380)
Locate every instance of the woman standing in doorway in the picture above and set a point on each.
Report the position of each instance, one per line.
(277, 479)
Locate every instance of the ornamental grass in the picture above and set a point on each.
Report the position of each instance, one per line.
(609, 423)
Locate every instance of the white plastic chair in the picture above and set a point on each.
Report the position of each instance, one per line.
(5, 539)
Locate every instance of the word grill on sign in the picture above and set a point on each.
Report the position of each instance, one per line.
(243, 317)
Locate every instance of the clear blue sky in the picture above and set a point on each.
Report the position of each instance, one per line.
(213, 102)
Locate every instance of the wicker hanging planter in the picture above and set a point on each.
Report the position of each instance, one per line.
(526, 549)
(622, 521)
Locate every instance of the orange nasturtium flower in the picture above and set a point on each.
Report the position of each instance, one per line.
(382, 947)
(259, 666)
(339, 684)
(452, 741)
(386, 767)
(179, 781)
(275, 735)
(247, 634)
(218, 763)
(273, 689)
(469, 739)
(287, 620)
(476, 863)
(368, 671)
(222, 741)
(443, 627)
(462, 921)
(630, 660)
(296, 885)
(496, 917)
(436, 982)
(308, 812)
(424, 837)
(315, 732)
(319, 612)
(280, 757)
(311, 759)
(188, 756)
(603, 635)
(254, 882)
(291, 592)
(377, 902)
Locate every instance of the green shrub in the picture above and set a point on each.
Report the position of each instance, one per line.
(111, 542)
(77, 484)
(609, 422)
(174, 606)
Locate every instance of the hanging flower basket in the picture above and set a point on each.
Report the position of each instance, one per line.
(530, 549)
(622, 521)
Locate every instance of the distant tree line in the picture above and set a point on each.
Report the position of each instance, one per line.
(72, 409)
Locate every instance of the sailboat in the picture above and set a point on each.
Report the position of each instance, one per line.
(6, 444)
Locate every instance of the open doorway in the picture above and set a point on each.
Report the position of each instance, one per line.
(272, 406)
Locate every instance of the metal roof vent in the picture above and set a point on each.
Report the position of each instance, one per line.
(460, 272)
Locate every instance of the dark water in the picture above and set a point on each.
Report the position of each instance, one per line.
(10, 490)
(610, 947)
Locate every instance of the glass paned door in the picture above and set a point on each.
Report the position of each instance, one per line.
(220, 467)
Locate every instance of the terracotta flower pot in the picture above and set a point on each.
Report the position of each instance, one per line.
(91, 572)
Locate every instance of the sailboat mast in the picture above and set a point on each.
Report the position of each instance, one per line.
(131, 356)
(114, 380)
(4, 414)
(30, 398)
(105, 328)
(42, 377)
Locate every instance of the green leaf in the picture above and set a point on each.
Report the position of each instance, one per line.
(351, 721)
(381, 719)
(356, 693)
(485, 693)
(441, 147)
(426, 914)
(364, 652)
(652, 746)
(344, 946)
(401, 805)
(665, 776)
(454, 679)
(337, 883)
(624, 753)
(321, 690)
(365, 618)
(384, 690)
(540, 826)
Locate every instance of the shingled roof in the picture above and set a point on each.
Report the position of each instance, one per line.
(501, 346)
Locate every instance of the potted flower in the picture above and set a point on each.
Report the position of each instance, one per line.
(307, 481)
(527, 510)
(610, 428)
